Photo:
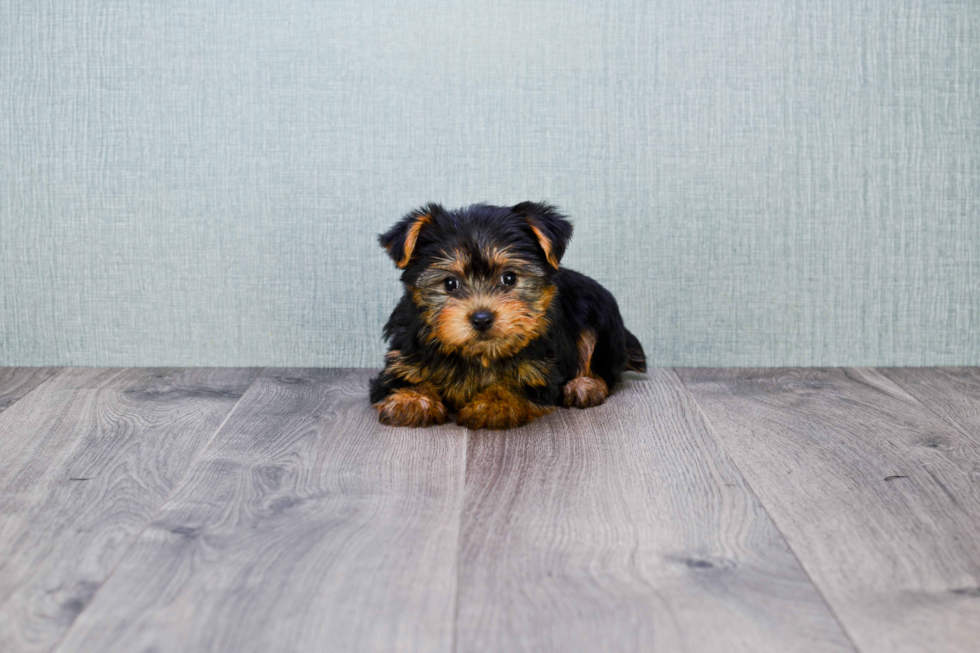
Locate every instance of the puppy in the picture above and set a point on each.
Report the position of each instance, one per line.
(490, 327)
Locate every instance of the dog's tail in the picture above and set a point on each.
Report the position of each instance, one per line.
(636, 359)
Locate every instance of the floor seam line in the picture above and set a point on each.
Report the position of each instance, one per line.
(57, 373)
(459, 539)
(57, 645)
(765, 509)
(927, 407)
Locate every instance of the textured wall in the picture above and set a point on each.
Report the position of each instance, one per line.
(199, 183)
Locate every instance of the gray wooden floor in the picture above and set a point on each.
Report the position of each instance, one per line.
(697, 510)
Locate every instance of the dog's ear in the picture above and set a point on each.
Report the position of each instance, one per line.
(550, 227)
(400, 240)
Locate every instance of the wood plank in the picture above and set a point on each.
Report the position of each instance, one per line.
(86, 459)
(626, 528)
(878, 497)
(304, 526)
(953, 393)
(15, 382)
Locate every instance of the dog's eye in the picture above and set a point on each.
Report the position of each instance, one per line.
(450, 284)
(508, 278)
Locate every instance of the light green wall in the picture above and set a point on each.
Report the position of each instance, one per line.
(759, 183)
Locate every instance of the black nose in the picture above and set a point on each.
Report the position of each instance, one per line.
(481, 320)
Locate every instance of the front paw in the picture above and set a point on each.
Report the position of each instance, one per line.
(417, 406)
(497, 408)
(585, 392)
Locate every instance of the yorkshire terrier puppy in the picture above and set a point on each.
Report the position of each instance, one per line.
(490, 327)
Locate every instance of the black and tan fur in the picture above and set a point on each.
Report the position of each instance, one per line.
(491, 328)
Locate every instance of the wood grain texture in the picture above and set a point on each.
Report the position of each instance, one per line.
(953, 393)
(85, 461)
(304, 526)
(878, 497)
(626, 527)
(15, 382)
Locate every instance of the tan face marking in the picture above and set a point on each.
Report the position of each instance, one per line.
(516, 323)
(519, 310)
(500, 259)
(455, 263)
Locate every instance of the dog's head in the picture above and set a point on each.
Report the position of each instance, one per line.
(480, 276)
